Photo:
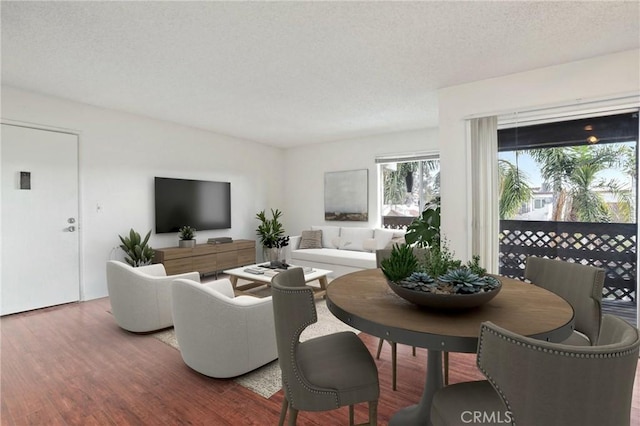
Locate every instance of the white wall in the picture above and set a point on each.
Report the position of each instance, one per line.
(593, 78)
(120, 154)
(306, 165)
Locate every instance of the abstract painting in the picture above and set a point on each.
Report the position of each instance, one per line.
(346, 195)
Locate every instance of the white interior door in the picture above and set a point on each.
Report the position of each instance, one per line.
(40, 244)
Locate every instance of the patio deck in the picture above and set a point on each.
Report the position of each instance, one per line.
(622, 308)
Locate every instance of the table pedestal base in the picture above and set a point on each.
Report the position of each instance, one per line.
(419, 414)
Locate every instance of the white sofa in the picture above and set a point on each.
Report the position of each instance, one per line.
(343, 249)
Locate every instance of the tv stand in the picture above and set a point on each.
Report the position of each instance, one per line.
(207, 258)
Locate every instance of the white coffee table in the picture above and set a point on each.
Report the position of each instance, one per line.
(264, 278)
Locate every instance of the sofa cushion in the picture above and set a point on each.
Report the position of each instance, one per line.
(383, 237)
(328, 234)
(310, 240)
(355, 259)
(394, 241)
(353, 238)
(370, 245)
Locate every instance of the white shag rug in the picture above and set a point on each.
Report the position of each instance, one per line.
(266, 380)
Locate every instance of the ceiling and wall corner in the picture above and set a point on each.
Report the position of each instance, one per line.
(293, 73)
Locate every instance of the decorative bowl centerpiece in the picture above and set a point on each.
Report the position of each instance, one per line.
(438, 281)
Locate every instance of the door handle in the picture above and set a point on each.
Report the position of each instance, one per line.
(71, 229)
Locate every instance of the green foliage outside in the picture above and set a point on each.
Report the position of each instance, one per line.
(576, 177)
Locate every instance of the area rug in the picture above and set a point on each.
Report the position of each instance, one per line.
(266, 381)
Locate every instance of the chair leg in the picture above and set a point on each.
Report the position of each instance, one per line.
(373, 413)
(394, 370)
(293, 416)
(379, 348)
(446, 367)
(414, 350)
(283, 411)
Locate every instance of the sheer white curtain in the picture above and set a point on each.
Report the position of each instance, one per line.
(485, 221)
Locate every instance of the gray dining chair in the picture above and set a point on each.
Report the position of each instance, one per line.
(533, 382)
(323, 373)
(580, 285)
(381, 255)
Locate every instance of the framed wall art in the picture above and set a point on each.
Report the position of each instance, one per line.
(346, 195)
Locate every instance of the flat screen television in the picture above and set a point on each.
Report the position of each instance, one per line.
(202, 204)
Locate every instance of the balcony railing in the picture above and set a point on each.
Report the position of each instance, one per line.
(396, 222)
(611, 246)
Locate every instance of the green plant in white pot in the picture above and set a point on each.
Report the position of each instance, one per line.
(272, 235)
(187, 234)
(138, 251)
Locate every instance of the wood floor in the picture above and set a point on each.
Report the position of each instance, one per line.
(71, 365)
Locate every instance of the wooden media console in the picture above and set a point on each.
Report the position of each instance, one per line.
(207, 258)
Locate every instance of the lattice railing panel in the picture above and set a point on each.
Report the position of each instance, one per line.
(611, 246)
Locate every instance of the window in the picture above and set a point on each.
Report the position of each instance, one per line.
(584, 169)
(406, 185)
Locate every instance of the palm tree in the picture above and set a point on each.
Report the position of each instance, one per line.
(573, 173)
(514, 189)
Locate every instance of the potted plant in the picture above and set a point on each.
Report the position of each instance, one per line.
(186, 234)
(439, 280)
(138, 251)
(272, 235)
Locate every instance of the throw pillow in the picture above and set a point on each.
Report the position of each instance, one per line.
(328, 235)
(352, 238)
(383, 237)
(370, 245)
(394, 241)
(310, 240)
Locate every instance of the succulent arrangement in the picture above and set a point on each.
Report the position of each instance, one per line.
(187, 233)
(138, 250)
(439, 272)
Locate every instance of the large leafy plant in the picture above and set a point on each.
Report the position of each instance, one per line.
(271, 231)
(424, 231)
(138, 251)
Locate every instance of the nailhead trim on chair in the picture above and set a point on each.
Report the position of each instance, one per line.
(293, 346)
(484, 329)
(487, 375)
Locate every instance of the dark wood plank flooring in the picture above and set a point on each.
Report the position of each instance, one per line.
(72, 365)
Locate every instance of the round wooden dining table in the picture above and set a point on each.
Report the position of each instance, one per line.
(364, 301)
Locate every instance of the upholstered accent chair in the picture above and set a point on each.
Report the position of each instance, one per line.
(531, 382)
(580, 285)
(220, 335)
(141, 297)
(323, 373)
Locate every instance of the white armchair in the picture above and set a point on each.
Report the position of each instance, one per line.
(220, 335)
(141, 297)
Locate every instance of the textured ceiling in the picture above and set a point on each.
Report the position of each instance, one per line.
(291, 73)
